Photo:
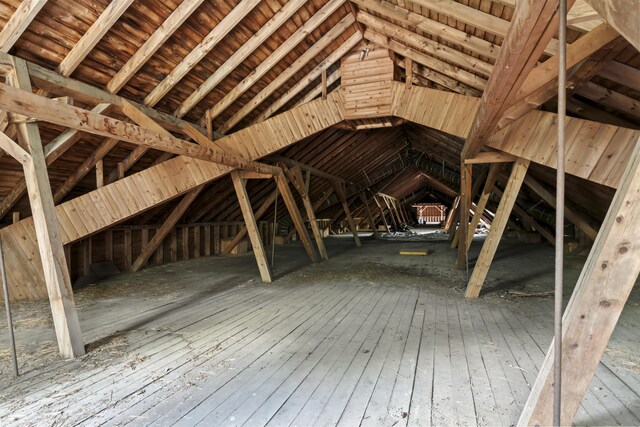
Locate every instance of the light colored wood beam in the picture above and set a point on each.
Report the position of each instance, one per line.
(603, 287)
(295, 178)
(298, 222)
(240, 55)
(425, 44)
(498, 225)
(309, 54)
(542, 83)
(324, 84)
(430, 26)
(610, 98)
(166, 227)
(93, 35)
(252, 227)
(490, 157)
(300, 34)
(442, 73)
(54, 264)
(532, 27)
(492, 176)
(200, 51)
(18, 23)
(26, 103)
(259, 213)
(153, 43)
(14, 150)
(623, 15)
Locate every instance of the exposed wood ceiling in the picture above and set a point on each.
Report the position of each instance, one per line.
(240, 62)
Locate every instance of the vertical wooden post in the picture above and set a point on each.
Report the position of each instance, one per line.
(408, 71)
(128, 252)
(87, 255)
(345, 205)
(54, 265)
(108, 245)
(324, 84)
(185, 242)
(99, 174)
(384, 218)
(295, 176)
(363, 197)
(252, 227)
(120, 170)
(494, 172)
(603, 287)
(465, 203)
(144, 239)
(290, 202)
(497, 228)
(15, 217)
(207, 240)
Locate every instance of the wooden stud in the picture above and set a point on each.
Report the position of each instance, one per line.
(498, 225)
(99, 174)
(324, 84)
(363, 197)
(603, 287)
(252, 227)
(465, 205)
(15, 217)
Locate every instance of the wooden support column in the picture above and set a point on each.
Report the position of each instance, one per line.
(363, 197)
(243, 232)
(324, 84)
(99, 174)
(498, 225)
(595, 306)
(393, 218)
(337, 187)
(448, 225)
(494, 172)
(465, 204)
(54, 265)
(295, 177)
(408, 69)
(384, 218)
(165, 229)
(290, 202)
(252, 227)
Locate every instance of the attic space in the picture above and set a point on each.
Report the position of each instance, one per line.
(319, 212)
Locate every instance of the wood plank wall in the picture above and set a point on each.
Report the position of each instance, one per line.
(123, 244)
(367, 82)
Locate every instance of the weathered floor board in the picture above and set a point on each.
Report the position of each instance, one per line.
(367, 338)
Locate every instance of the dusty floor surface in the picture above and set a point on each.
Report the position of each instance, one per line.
(159, 353)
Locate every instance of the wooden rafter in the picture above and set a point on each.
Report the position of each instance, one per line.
(153, 43)
(18, 23)
(298, 64)
(93, 35)
(300, 34)
(195, 55)
(621, 15)
(239, 56)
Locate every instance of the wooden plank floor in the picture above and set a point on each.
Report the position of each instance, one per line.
(368, 338)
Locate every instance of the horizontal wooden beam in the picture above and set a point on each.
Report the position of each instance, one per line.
(25, 103)
(60, 85)
(491, 157)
